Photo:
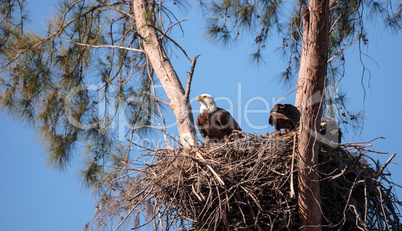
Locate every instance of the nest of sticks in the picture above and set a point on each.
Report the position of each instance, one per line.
(251, 184)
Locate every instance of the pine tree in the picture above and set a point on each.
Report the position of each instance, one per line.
(314, 39)
(99, 61)
(88, 82)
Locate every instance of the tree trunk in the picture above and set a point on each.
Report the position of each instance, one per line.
(143, 13)
(309, 96)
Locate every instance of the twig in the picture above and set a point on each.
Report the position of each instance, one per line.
(201, 198)
(292, 189)
(175, 43)
(365, 203)
(333, 57)
(253, 197)
(378, 152)
(156, 98)
(164, 132)
(382, 208)
(211, 169)
(128, 214)
(109, 5)
(171, 26)
(190, 78)
(107, 46)
(364, 142)
(333, 25)
(384, 166)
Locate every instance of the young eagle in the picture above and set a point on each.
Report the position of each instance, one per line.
(214, 123)
(284, 116)
(330, 130)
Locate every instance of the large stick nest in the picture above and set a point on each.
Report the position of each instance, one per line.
(251, 184)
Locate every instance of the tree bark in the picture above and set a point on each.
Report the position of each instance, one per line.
(309, 96)
(143, 13)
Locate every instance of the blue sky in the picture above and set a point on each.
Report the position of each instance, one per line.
(35, 197)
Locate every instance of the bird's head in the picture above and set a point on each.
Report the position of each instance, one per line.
(328, 123)
(207, 103)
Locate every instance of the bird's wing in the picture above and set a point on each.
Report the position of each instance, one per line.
(201, 125)
(225, 120)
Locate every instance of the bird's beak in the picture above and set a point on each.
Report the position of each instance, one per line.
(199, 98)
(323, 124)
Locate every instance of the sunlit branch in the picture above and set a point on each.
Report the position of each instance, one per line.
(190, 77)
(108, 46)
(158, 99)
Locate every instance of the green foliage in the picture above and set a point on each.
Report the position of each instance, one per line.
(86, 100)
(227, 20)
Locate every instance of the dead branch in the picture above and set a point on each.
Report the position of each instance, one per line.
(107, 46)
(190, 78)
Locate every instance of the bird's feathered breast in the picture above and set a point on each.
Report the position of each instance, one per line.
(284, 116)
(216, 125)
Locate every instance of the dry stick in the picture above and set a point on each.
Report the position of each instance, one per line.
(211, 169)
(159, 99)
(384, 166)
(292, 189)
(107, 46)
(196, 194)
(109, 5)
(373, 151)
(252, 197)
(128, 214)
(171, 26)
(365, 142)
(382, 208)
(190, 77)
(163, 131)
(365, 203)
(333, 26)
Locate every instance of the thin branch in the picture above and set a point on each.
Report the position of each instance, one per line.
(175, 43)
(190, 78)
(333, 25)
(363, 142)
(107, 46)
(333, 57)
(164, 132)
(171, 26)
(121, 223)
(384, 166)
(292, 188)
(218, 178)
(158, 99)
(109, 5)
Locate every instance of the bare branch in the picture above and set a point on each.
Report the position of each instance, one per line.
(164, 132)
(175, 43)
(156, 98)
(171, 26)
(384, 166)
(292, 189)
(333, 25)
(190, 78)
(128, 215)
(107, 46)
(211, 169)
(109, 5)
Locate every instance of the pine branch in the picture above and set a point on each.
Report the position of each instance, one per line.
(158, 99)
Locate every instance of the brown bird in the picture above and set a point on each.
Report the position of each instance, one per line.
(214, 123)
(284, 116)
